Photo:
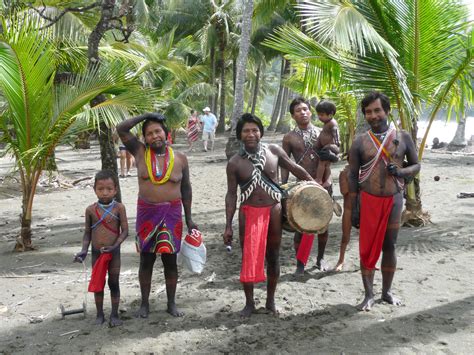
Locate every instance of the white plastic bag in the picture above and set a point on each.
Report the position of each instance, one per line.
(193, 252)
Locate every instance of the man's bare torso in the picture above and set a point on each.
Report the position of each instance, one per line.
(380, 182)
(170, 190)
(244, 174)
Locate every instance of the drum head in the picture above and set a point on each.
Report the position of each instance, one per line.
(309, 208)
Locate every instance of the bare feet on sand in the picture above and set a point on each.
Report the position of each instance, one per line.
(247, 311)
(322, 265)
(114, 321)
(173, 310)
(271, 308)
(366, 304)
(100, 319)
(389, 298)
(143, 311)
(339, 266)
(299, 270)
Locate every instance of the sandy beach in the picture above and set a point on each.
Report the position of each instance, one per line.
(317, 313)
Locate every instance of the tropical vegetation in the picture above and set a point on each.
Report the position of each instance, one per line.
(97, 62)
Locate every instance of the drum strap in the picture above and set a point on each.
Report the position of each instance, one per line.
(258, 161)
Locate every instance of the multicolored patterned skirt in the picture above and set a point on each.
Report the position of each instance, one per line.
(159, 227)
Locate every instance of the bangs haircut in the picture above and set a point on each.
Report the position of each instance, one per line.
(155, 118)
(326, 107)
(248, 118)
(297, 101)
(105, 175)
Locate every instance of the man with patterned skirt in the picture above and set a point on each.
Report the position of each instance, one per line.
(164, 189)
(376, 179)
(254, 169)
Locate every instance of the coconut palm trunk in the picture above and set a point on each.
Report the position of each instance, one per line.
(222, 81)
(108, 154)
(241, 66)
(256, 88)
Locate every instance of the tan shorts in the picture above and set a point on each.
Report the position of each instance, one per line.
(208, 136)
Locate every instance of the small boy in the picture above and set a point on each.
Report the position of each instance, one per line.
(107, 227)
(328, 139)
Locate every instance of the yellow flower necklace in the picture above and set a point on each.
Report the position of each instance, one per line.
(158, 177)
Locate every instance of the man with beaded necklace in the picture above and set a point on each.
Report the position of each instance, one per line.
(163, 187)
(254, 169)
(377, 173)
(301, 144)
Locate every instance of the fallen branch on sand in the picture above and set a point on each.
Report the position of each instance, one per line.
(465, 195)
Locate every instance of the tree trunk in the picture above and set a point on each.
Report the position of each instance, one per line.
(277, 105)
(107, 150)
(234, 74)
(212, 98)
(459, 140)
(23, 242)
(282, 125)
(256, 88)
(242, 62)
(221, 64)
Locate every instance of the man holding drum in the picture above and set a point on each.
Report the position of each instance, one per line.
(254, 169)
(301, 143)
(376, 181)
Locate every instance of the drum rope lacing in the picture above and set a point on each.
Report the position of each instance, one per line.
(258, 160)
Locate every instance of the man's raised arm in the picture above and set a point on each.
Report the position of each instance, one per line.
(129, 140)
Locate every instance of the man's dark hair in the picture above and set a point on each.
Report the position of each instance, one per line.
(326, 107)
(296, 102)
(373, 96)
(104, 175)
(157, 118)
(248, 118)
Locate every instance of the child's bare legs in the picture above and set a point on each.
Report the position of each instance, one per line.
(346, 232)
(114, 273)
(321, 171)
(99, 306)
(98, 297)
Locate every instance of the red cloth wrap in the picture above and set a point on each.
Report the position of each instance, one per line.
(305, 247)
(99, 271)
(374, 214)
(255, 243)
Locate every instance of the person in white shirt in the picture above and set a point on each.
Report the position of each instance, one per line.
(209, 125)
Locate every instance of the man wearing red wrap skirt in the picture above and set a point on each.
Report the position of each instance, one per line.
(377, 173)
(254, 169)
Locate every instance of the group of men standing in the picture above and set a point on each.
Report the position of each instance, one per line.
(376, 174)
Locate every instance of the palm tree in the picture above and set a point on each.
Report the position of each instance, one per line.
(403, 48)
(238, 109)
(40, 111)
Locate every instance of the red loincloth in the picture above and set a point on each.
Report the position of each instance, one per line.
(255, 243)
(305, 247)
(99, 271)
(374, 214)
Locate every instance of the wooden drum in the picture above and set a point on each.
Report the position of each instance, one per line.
(307, 207)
